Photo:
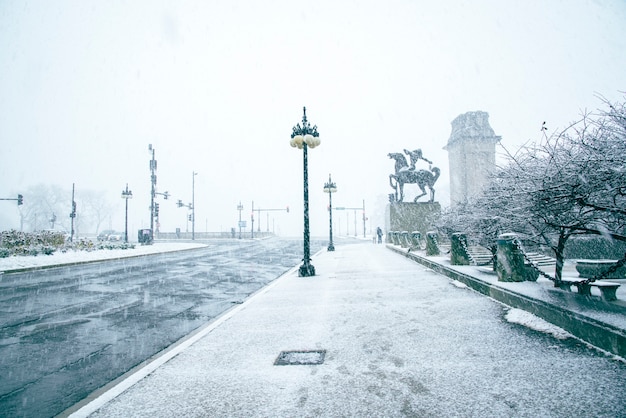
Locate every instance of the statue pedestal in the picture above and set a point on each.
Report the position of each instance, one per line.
(409, 216)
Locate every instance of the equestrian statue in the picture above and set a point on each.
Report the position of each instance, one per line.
(406, 174)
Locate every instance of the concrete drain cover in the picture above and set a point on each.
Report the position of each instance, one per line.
(300, 358)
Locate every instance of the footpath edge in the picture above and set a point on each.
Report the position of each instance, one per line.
(597, 333)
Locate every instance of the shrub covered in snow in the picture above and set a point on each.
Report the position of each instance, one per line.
(47, 242)
(30, 243)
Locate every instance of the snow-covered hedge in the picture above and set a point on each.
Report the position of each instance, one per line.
(47, 242)
(30, 243)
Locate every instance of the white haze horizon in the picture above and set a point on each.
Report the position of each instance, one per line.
(216, 87)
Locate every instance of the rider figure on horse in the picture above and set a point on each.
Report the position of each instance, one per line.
(415, 156)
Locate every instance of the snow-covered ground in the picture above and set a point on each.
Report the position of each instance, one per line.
(344, 268)
(72, 257)
(399, 340)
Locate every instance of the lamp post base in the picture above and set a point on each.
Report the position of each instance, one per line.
(306, 270)
(331, 247)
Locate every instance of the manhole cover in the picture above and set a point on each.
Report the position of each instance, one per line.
(300, 357)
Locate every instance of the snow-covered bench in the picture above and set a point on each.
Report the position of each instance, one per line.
(607, 289)
(596, 268)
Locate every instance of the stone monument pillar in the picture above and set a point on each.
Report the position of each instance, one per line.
(458, 250)
(406, 216)
(471, 154)
(510, 264)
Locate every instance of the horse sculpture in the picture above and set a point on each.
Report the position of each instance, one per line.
(405, 175)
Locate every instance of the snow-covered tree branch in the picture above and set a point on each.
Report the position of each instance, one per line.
(571, 183)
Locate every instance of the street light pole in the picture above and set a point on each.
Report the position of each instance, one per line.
(153, 180)
(330, 188)
(304, 137)
(252, 221)
(126, 194)
(72, 215)
(240, 208)
(258, 212)
(364, 218)
(348, 220)
(193, 205)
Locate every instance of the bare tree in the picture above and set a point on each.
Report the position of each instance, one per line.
(96, 208)
(601, 188)
(46, 201)
(43, 202)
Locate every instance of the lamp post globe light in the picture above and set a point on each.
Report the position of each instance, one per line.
(126, 194)
(304, 137)
(330, 188)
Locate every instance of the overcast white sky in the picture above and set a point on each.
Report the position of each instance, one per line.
(216, 87)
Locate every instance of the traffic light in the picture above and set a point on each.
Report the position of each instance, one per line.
(190, 217)
(20, 199)
(287, 209)
(156, 210)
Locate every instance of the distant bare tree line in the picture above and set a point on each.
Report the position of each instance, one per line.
(49, 206)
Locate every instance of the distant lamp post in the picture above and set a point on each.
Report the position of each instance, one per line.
(240, 208)
(72, 215)
(126, 194)
(304, 137)
(330, 188)
(252, 221)
(193, 205)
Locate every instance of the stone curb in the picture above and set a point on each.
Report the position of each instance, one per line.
(594, 332)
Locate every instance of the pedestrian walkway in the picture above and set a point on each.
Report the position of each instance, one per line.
(386, 336)
(597, 321)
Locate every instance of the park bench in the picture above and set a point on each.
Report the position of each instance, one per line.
(597, 268)
(607, 289)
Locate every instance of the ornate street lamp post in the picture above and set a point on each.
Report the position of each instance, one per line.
(126, 194)
(304, 137)
(330, 188)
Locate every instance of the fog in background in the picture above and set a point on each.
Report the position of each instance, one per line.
(216, 87)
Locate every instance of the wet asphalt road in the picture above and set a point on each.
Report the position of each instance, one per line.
(67, 331)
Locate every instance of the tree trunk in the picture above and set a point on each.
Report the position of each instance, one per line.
(559, 255)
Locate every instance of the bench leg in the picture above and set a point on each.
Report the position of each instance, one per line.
(564, 286)
(608, 293)
(583, 289)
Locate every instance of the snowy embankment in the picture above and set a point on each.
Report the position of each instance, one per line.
(73, 257)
